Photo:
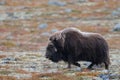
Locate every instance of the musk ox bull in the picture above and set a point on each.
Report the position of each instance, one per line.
(72, 45)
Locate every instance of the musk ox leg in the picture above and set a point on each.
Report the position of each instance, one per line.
(90, 66)
(106, 65)
(69, 65)
(76, 64)
(72, 61)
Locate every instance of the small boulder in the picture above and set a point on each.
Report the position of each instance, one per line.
(116, 12)
(56, 3)
(54, 30)
(68, 10)
(43, 26)
(116, 27)
(45, 34)
(2, 2)
(115, 76)
(104, 76)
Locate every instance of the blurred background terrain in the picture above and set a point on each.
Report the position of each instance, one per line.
(25, 26)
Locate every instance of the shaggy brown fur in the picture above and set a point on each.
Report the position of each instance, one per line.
(72, 45)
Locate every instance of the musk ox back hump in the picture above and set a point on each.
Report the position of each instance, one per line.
(93, 45)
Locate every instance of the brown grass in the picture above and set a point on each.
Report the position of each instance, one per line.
(97, 29)
(5, 67)
(2, 56)
(32, 3)
(8, 44)
(7, 78)
(50, 76)
(114, 42)
(21, 71)
(87, 73)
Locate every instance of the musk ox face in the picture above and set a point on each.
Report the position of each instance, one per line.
(52, 53)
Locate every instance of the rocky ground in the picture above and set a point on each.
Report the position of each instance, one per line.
(25, 26)
(34, 66)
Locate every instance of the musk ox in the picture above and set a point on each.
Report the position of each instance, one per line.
(72, 45)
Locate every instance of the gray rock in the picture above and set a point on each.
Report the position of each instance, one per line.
(81, 1)
(26, 29)
(7, 60)
(116, 13)
(2, 2)
(73, 18)
(45, 34)
(116, 27)
(115, 76)
(43, 26)
(104, 76)
(54, 30)
(88, 78)
(9, 36)
(76, 69)
(56, 3)
(68, 10)
(3, 16)
(10, 14)
(118, 9)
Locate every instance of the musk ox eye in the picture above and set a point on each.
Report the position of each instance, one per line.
(52, 48)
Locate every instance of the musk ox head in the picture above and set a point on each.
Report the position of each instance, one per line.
(52, 53)
(56, 44)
